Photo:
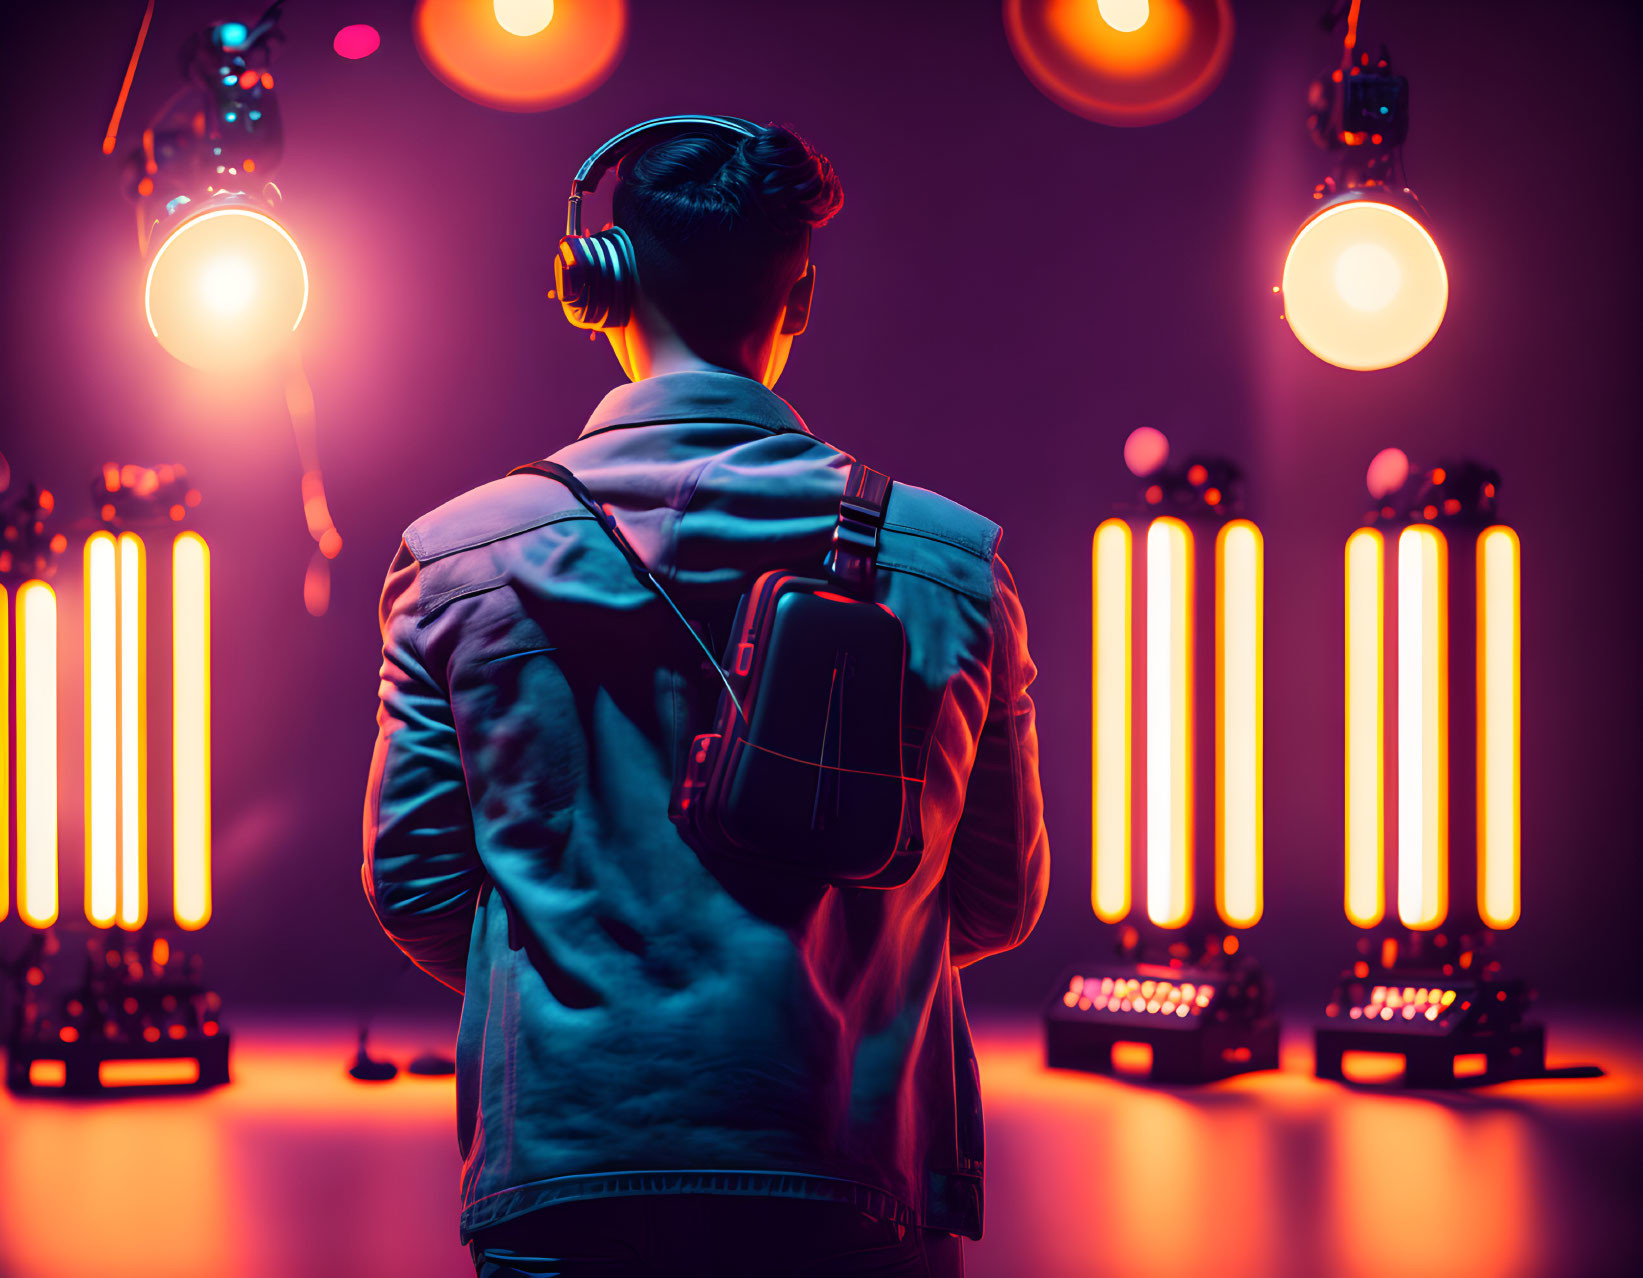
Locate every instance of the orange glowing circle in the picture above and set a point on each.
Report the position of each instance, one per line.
(1122, 62)
(465, 44)
(226, 288)
(1364, 284)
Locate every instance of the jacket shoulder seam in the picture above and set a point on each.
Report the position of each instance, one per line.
(969, 548)
(415, 543)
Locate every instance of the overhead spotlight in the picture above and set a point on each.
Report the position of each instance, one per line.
(226, 284)
(1122, 62)
(1364, 285)
(521, 55)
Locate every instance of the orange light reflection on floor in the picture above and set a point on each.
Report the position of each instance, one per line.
(1407, 1180)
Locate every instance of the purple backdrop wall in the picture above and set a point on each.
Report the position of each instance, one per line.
(1008, 292)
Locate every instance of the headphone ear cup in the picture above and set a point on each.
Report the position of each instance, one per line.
(593, 276)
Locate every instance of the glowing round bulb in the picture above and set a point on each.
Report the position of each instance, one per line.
(229, 286)
(1367, 277)
(1123, 15)
(1364, 285)
(524, 17)
(226, 288)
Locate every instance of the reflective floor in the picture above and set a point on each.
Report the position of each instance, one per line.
(297, 1171)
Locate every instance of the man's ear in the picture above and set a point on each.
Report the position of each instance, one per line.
(797, 313)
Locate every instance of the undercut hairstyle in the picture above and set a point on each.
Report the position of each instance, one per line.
(721, 226)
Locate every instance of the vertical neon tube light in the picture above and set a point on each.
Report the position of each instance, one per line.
(5, 753)
(191, 729)
(1365, 728)
(133, 806)
(1499, 726)
(37, 754)
(1423, 728)
(1110, 761)
(1238, 723)
(102, 727)
(1169, 723)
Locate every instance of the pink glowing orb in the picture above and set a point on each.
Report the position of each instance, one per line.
(358, 41)
(1387, 472)
(1145, 450)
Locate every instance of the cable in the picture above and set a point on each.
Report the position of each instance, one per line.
(1351, 34)
(110, 137)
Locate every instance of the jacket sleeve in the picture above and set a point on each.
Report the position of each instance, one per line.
(999, 866)
(422, 873)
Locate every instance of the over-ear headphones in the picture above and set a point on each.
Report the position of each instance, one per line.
(593, 274)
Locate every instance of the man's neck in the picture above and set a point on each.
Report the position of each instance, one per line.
(681, 359)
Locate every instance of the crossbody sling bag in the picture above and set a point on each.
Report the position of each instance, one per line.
(806, 769)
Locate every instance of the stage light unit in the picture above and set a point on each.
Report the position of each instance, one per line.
(226, 284)
(1187, 988)
(114, 1023)
(1364, 284)
(1433, 576)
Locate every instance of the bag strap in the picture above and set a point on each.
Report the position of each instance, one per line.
(564, 475)
(854, 556)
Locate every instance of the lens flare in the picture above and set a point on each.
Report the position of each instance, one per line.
(225, 288)
(1123, 62)
(523, 17)
(521, 55)
(1145, 450)
(1388, 471)
(1364, 285)
(357, 41)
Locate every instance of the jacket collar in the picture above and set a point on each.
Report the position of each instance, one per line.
(695, 397)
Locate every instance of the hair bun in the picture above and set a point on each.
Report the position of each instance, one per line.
(792, 184)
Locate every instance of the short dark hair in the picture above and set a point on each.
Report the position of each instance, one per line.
(721, 226)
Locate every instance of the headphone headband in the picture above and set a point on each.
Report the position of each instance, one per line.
(611, 153)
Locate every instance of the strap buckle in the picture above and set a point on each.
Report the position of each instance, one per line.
(853, 559)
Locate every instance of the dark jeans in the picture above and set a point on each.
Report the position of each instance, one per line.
(707, 1235)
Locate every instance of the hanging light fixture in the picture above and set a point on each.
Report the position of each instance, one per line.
(226, 284)
(1364, 284)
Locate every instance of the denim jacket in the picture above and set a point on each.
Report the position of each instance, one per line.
(636, 1021)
